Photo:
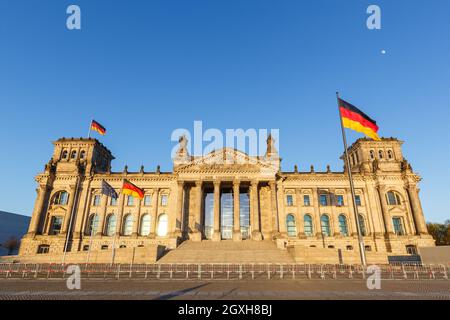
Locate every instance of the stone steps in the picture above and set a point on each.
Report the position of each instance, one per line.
(228, 251)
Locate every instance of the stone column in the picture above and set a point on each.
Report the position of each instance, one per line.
(236, 212)
(316, 215)
(101, 221)
(386, 216)
(299, 219)
(83, 208)
(179, 210)
(37, 211)
(281, 212)
(274, 210)
(419, 219)
(254, 211)
(197, 231)
(353, 231)
(136, 219)
(216, 233)
(69, 212)
(154, 214)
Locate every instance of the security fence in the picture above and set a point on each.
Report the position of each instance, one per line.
(218, 271)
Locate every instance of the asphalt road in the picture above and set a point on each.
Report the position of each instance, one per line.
(12, 289)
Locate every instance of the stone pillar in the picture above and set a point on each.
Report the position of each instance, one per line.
(316, 215)
(179, 210)
(216, 233)
(236, 211)
(419, 219)
(83, 208)
(299, 219)
(254, 211)
(352, 228)
(386, 216)
(281, 198)
(197, 231)
(136, 219)
(101, 221)
(273, 200)
(70, 206)
(154, 214)
(37, 211)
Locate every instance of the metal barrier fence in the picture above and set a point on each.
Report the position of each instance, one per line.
(217, 271)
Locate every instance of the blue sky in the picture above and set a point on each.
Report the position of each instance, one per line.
(145, 68)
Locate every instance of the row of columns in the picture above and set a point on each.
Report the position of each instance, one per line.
(195, 224)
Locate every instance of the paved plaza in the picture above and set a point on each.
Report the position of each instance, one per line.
(42, 289)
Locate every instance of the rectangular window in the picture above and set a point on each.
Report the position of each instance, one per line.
(113, 201)
(130, 201)
(56, 225)
(164, 200)
(358, 200)
(289, 200)
(42, 249)
(147, 200)
(306, 200)
(323, 200)
(398, 226)
(97, 200)
(340, 200)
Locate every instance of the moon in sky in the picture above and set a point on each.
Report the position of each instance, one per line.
(383, 51)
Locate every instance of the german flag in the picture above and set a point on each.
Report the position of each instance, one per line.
(131, 190)
(355, 119)
(98, 127)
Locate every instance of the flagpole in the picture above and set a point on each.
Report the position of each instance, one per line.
(352, 188)
(90, 126)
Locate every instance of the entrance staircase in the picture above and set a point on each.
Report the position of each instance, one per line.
(227, 251)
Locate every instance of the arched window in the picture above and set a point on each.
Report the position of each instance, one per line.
(145, 225)
(56, 224)
(82, 154)
(73, 155)
(372, 155)
(362, 225)
(308, 225)
(380, 154)
(390, 155)
(343, 225)
(162, 225)
(393, 198)
(325, 223)
(94, 220)
(61, 198)
(64, 154)
(127, 225)
(111, 225)
(290, 226)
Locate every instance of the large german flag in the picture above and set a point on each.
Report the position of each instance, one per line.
(98, 127)
(131, 190)
(355, 119)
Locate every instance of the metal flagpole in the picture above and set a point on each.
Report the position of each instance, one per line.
(352, 188)
(71, 221)
(90, 126)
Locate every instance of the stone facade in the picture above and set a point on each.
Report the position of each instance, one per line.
(256, 200)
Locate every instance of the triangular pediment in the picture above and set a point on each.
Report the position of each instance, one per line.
(228, 160)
